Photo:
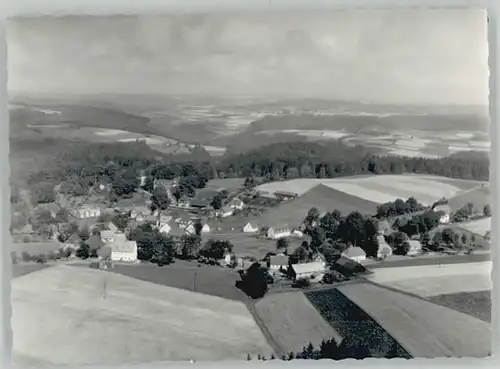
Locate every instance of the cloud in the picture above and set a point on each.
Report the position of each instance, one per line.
(399, 56)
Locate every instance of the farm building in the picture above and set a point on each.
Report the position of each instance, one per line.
(184, 202)
(237, 204)
(348, 267)
(123, 250)
(112, 227)
(225, 212)
(277, 262)
(415, 247)
(250, 228)
(85, 212)
(104, 253)
(307, 270)
(298, 233)
(444, 211)
(164, 219)
(285, 195)
(277, 232)
(384, 250)
(166, 228)
(190, 229)
(355, 253)
(107, 236)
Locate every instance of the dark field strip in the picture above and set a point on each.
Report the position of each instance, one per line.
(351, 321)
(475, 304)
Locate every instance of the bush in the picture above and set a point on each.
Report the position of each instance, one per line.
(14, 258)
(25, 256)
(302, 282)
(40, 258)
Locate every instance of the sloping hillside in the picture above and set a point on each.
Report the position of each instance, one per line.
(68, 315)
(322, 197)
(478, 196)
(424, 329)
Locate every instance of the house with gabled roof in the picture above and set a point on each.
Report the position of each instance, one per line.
(355, 253)
(250, 228)
(277, 262)
(278, 231)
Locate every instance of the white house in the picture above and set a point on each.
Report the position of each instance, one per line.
(205, 228)
(85, 212)
(415, 247)
(225, 212)
(107, 236)
(165, 229)
(250, 228)
(298, 233)
(190, 229)
(164, 219)
(355, 253)
(236, 203)
(277, 232)
(444, 211)
(123, 250)
(384, 250)
(308, 270)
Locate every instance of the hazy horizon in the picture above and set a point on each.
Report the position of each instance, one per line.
(413, 56)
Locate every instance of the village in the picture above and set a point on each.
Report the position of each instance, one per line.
(220, 226)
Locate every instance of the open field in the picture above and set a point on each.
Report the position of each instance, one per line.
(184, 275)
(476, 304)
(379, 188)
(432, 280)
(324, 198)
(385, 188)
(479, 196)
(246, 244)
(20, 270)
(66, 315)
(293, 322)
(479, 226)
(351, 321)
(424, 329)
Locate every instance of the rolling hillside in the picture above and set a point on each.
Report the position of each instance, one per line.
(322, 197)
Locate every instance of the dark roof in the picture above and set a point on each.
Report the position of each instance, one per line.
(278, 260)
(201, 203)
(95, 242)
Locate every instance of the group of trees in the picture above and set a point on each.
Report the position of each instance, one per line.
(311, 159)
(153, 245)
(418, 224)
(398, 207)
(354, 229)
(62, 253)
(349, 348)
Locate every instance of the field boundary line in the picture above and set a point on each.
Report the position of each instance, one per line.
(379, 324)
(278, 350)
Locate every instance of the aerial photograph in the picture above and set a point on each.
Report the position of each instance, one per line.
(249, 186)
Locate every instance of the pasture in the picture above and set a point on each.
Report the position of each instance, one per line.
(478, 227)
(324, 198)
(424, 329)
(247, 244)
(379, 188)
(478, 195)
(188, 276)
(385, 188)
(433, 280)
(293, 322)
(476, 304)
(67, 315)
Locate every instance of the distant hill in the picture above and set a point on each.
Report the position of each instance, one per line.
(352, 123)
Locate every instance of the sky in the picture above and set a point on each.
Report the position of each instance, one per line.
(381, 56)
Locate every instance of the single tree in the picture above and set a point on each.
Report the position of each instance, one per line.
(487, 210)
(83, 252)
(282, 243)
